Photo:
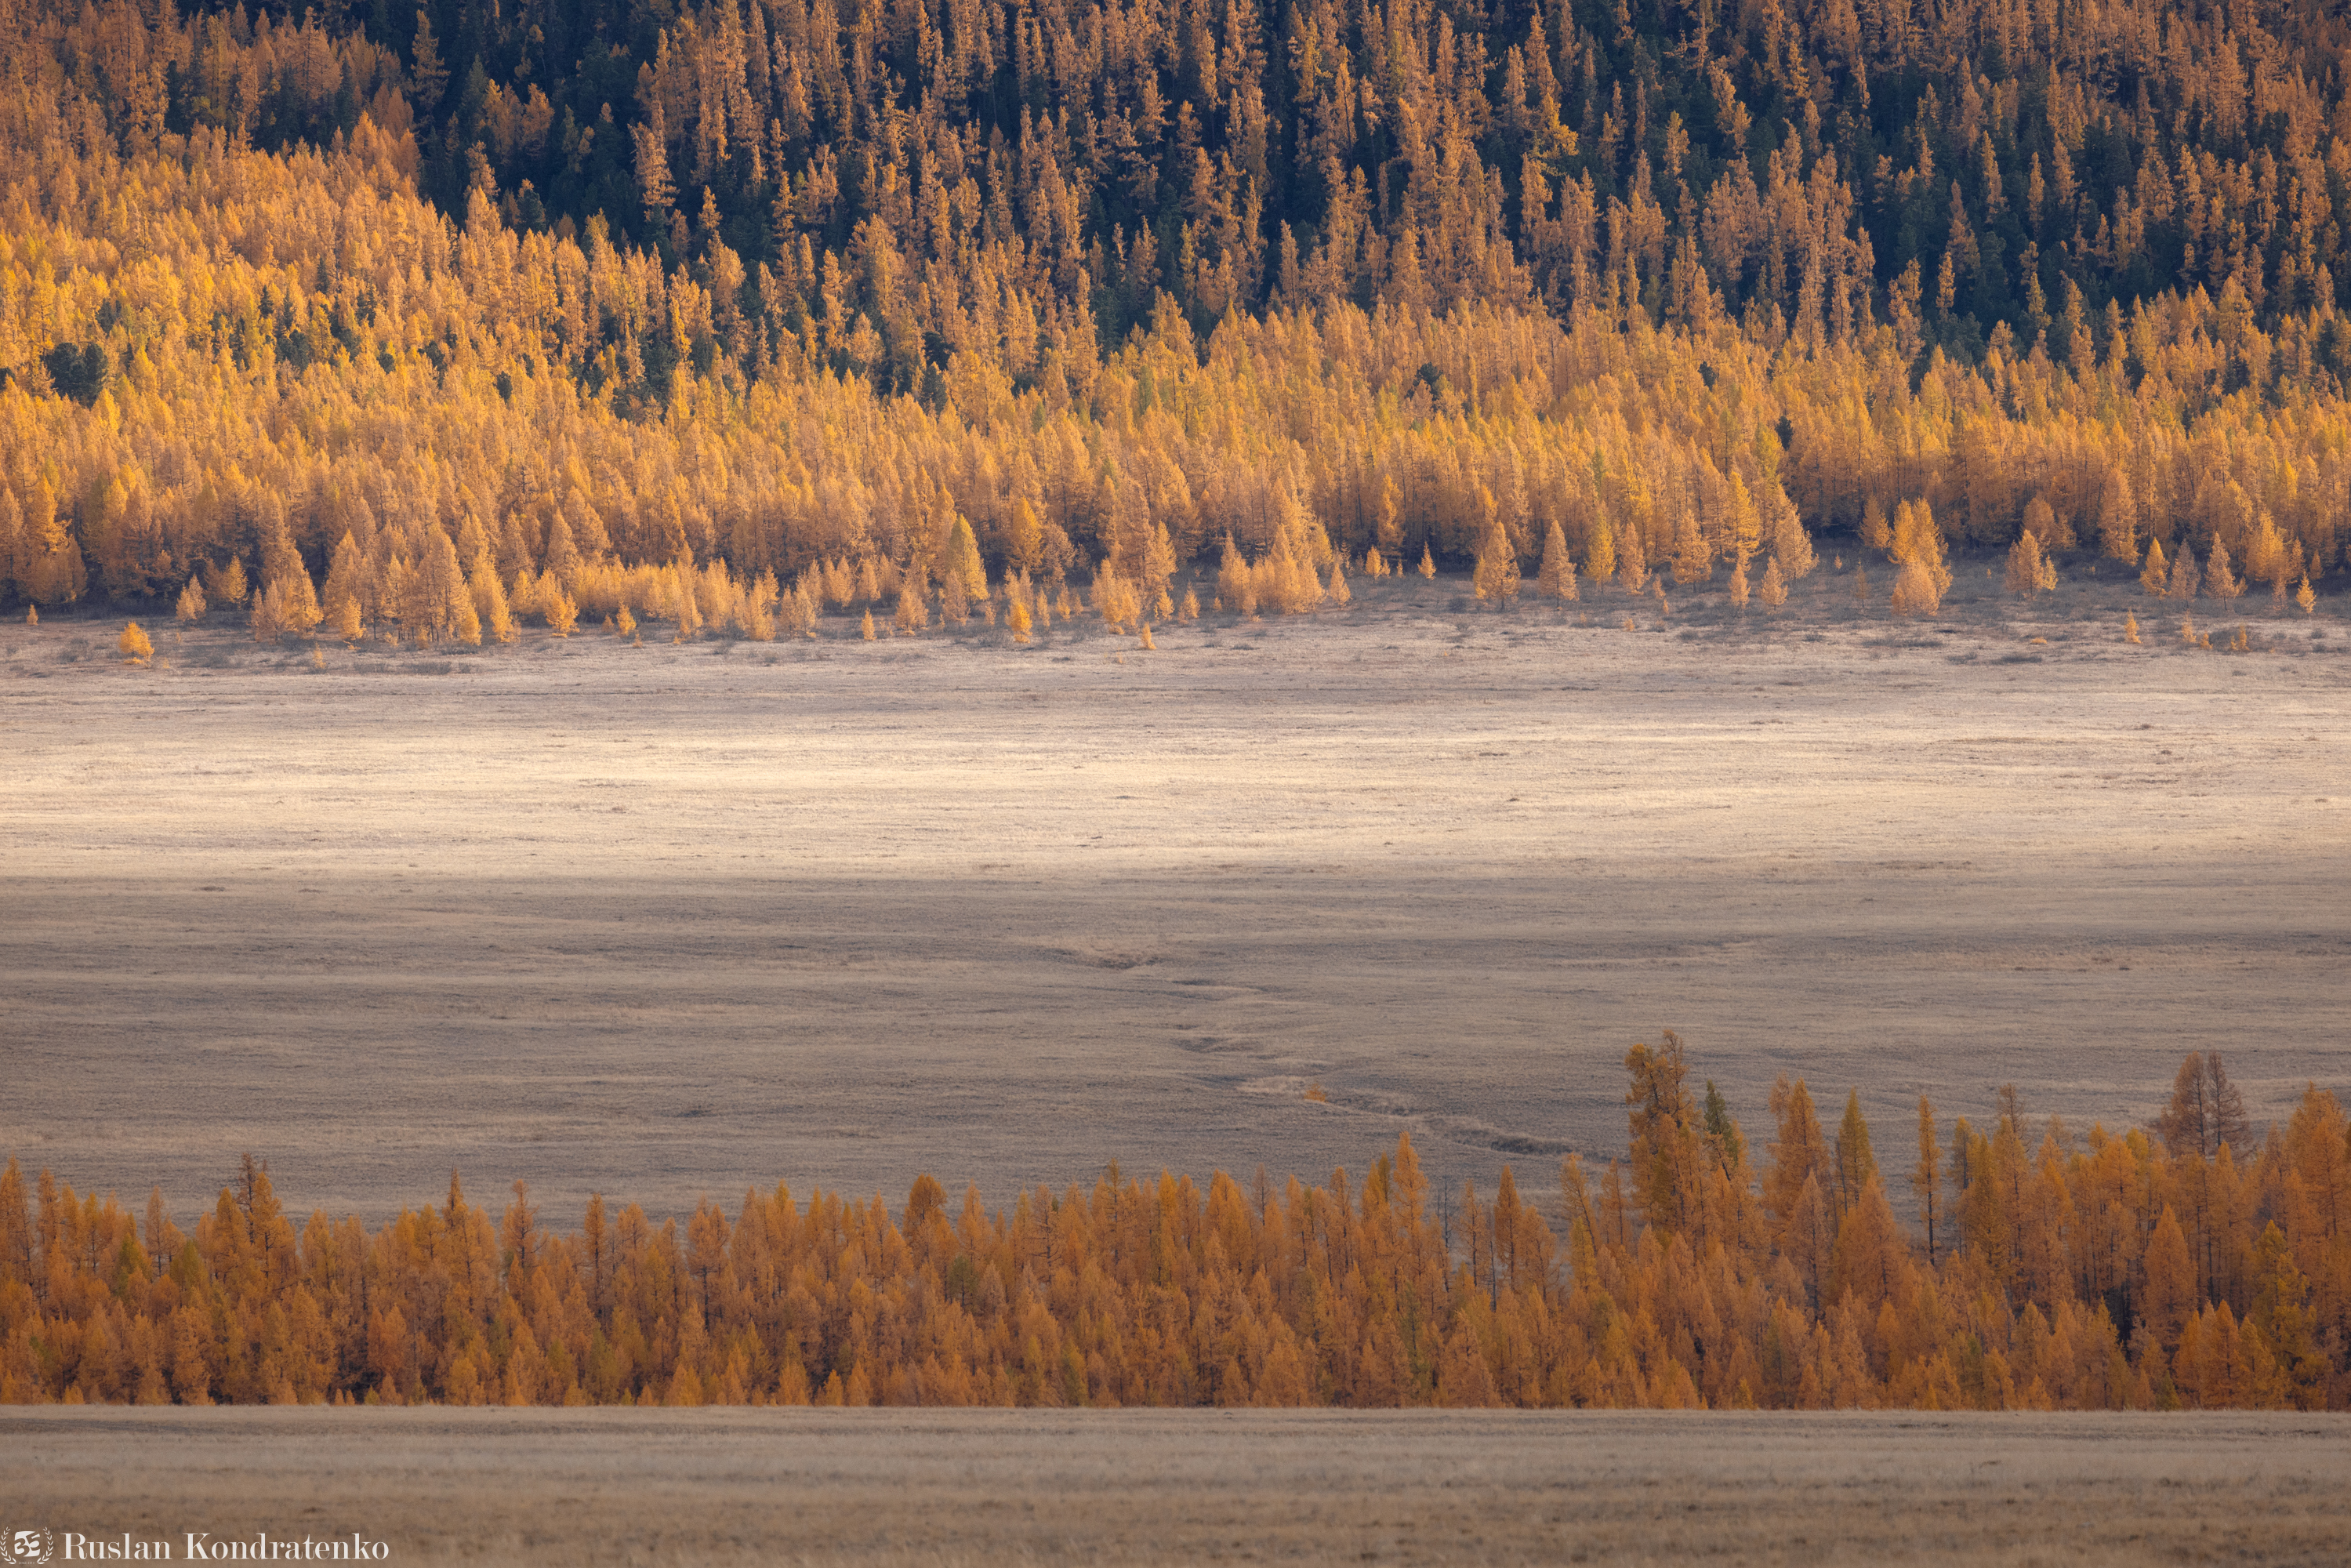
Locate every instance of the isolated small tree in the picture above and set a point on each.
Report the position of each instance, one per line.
(1158, 571)
(623, 623)
(1693, 561)
(1338, 591)
(347, 579)
(1916, 591)
(1023, 537)
(1190, 608)
(1773, 589)
(1919, 541)
(2220, 581)
(492, 614)
(1738, 586)
(913, 609)
(2184, 574)
(1786, 534)
(1232, 575)
(1116, 599)
(297, 601)
(135, 645)
(1632, 565)
(685, 605)
(2118, 518)
(1496, 575)
(466, 621)
(1600, 553)
(1875, 534)
(2025, 565)
(268, 615)
(2155, 574)
(2130, 627)
(1019, 620)
(963, 561)
(191, 606)
(865, 627)
(2267, 559)
(2305, 598)
(757, 616)
(1427, 561)
(1555, 578)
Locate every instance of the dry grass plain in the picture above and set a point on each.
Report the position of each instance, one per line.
(672, 920)
(951, 1487)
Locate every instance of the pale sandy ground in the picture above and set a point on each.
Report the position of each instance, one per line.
(941, 1487)
(668, 921)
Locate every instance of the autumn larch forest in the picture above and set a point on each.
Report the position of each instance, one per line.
(424, 323)
(2195, 1265)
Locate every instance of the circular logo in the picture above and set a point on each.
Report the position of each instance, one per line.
(26, 1547)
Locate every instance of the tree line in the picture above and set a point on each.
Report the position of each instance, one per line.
(235, 330)
(2192, 1265)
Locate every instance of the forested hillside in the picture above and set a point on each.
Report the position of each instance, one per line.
(2198, 1265)
(498, 294)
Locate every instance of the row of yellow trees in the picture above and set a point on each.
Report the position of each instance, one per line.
(2048, 1269)
(278, 352)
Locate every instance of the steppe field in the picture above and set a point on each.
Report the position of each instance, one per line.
(672, 920)
(1020, 1486)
